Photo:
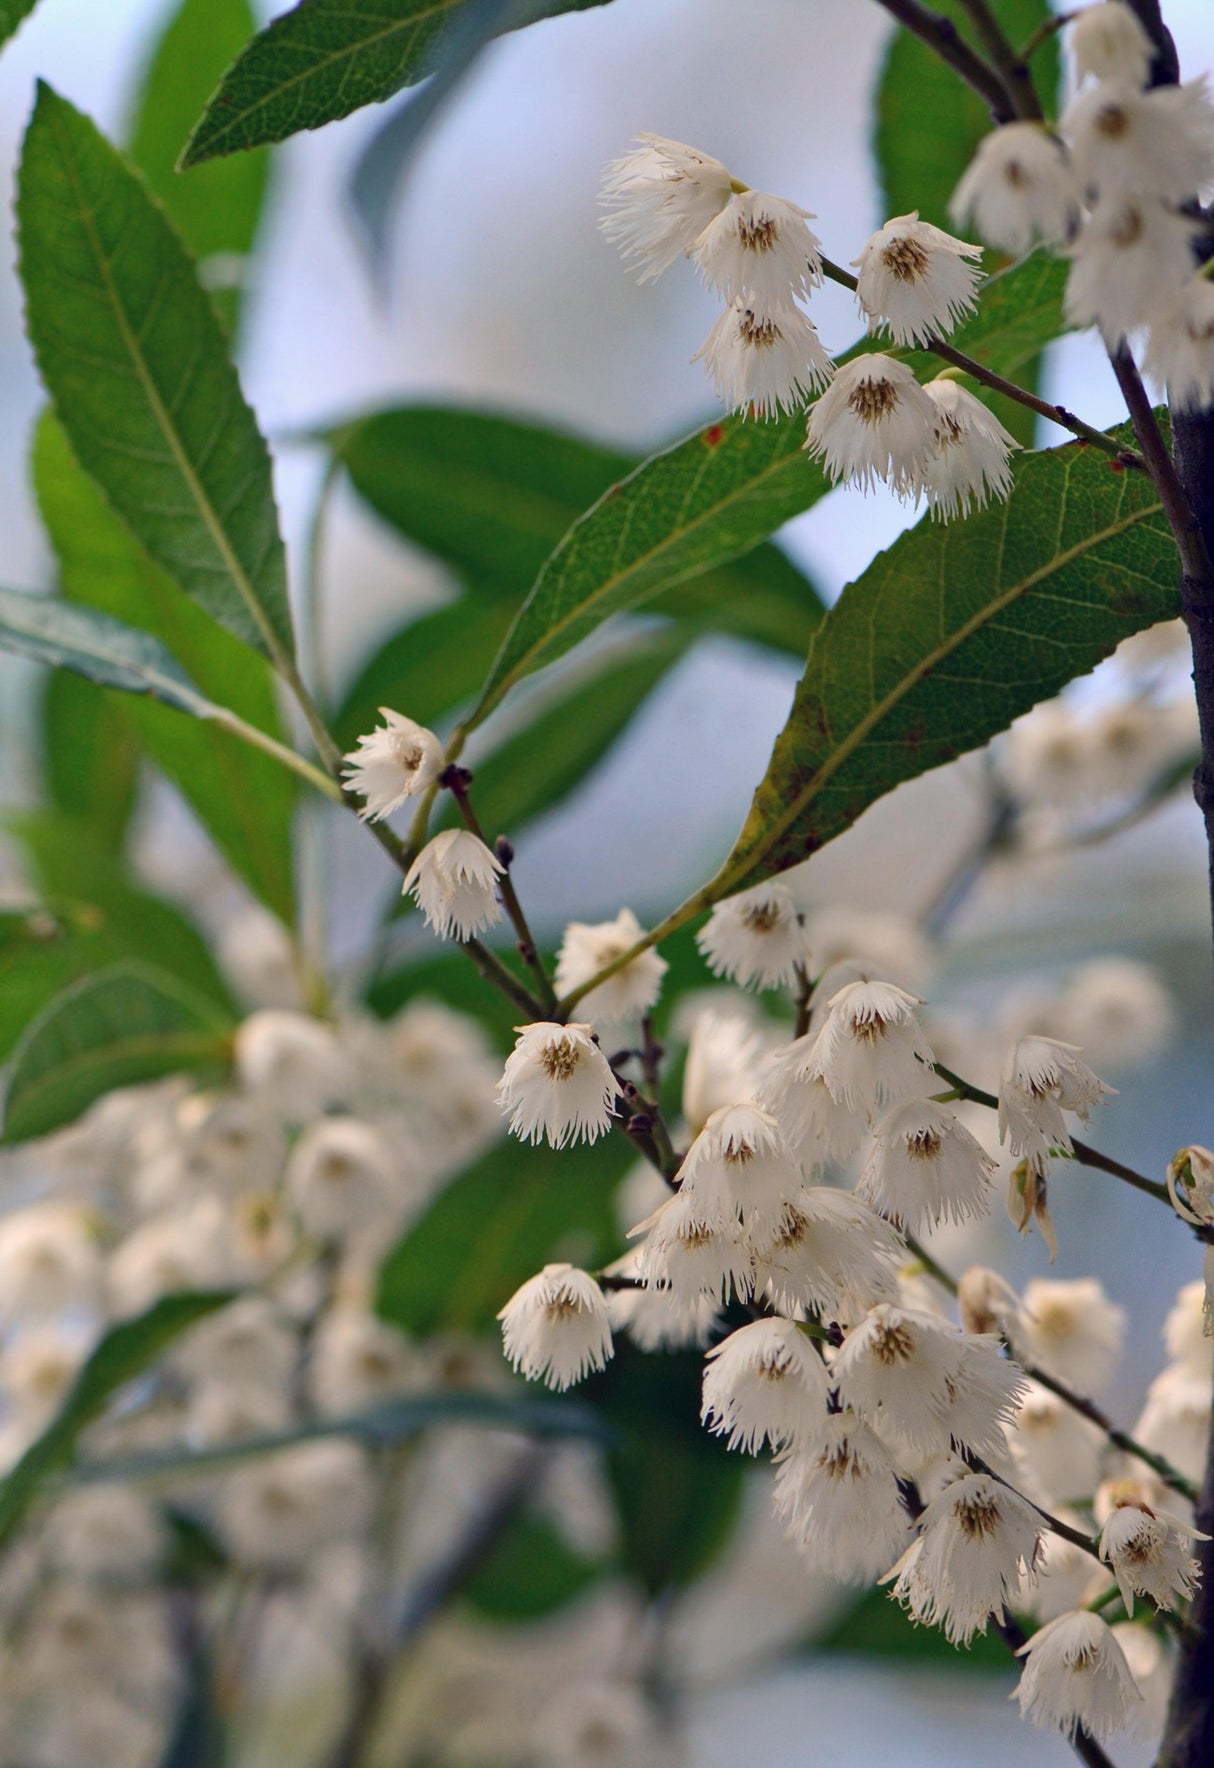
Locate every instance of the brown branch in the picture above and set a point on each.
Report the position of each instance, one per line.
(1012, 68)
(943, 39)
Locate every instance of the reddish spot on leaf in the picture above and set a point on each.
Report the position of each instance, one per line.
(713, 435)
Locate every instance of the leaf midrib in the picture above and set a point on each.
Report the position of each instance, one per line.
(202, 502)
(846, 748)
(326, 62)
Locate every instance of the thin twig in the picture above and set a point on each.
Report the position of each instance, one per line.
(943, 39)
(1012, 68)
(457, 781)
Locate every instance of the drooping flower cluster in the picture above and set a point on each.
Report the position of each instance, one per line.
(873, 421)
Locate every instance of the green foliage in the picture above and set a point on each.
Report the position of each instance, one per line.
(69, 865)
(496, 1225)
(716, 495)
(90, 756)
(244, 799)
(676, 1488)
(878, 1627)
(950, 635)
(113, 1029)
(326, 58)
(428, 668)
(928, 122)
(136, 363)
(218, 207)
(13, 14)
(124, 1353)
(530, 1570)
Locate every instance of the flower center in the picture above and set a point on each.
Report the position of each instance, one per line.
(906, 260)
(892, 1345)
(977, 1518)
(761, 334)
(1112, 121)
(873, 400)
(408, 752)
(559, 1058)
(923, 1144)
(761, 917)
(759, 234)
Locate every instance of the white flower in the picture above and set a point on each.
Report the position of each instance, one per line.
(292, 1062)
(1076, 1674)
(344, 1176)
(558, 1084)
(112, 1533)
(278, 1512)
(914, 281)
(870, 1050)
(1158, 143)
(971, 462)
(394, 762)
(37, 1370)
(1072, 1330)
(978, 1541)
(556, 1328)
(1179, 355)
(884, 944)
(924, 1166)
(827, 1251)
(1051, 757)
(1131, 263)
(454, 880)
(1067, 1576)
(764, 1383)
(1118, 1011)
(1109, 43)
(1151, 1668)
(874, 422)
(657, 1319)
(740, 1165)
(219, 1413)
(1175, 1421)
(187, 1249)
(599, 1724)
(663, 195)
(694, 1254)
(755, 937)
(1061, 1449)
(1019, 186)
(819, 1126)
(246, 1344)
(725, 1054)
(1041, 1079)
(588, 947)
(49, 1262)
(1191, 1184)
(925, 1381)
(841, 1501)
(227, 1145)
(1184, 1330)
(759, 246)
(1148, 1552)
(985, 1302)
(356, 1361)
(764, 359)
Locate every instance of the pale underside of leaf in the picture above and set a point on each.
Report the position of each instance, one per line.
(68, 636)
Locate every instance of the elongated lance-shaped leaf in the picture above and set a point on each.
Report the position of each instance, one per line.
(121, 1026)
(136, 362)
(13, 14)
(123, 1354)
(326, 58)
(68, 636)
(950, 635)
(243, 798)
(719, 493)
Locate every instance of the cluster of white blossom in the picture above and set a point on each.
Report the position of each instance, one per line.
(873, 420)
(287, 1187)
(940, 1457)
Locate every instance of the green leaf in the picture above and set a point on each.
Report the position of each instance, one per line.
(950, 635)
(878, 1627)
(244, 799)
(217, 208)
(70, 867)
(90, 759)
(716, 495)
(540, 764)
(326, 58)
(115, 1029)
(13, 14)
(93, 645)
(136, 363)
(495, 1226)
(124, 1353)
(928, 122)
(530, 1570)
(677, 1489)
(492, 496)
(427, 669)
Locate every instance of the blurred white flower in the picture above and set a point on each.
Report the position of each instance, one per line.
(556, 1327)
(49, 1262)
(394, 762)
(277, 1512)
(1071, 1329)
(755, 937)
(1179, 356)
(725, 1056)
(1158, 143)
(1107, 42)
(248, 1343)
(292, 1063)
(1130, 262)
(357, 1361)
(184, 1249)
(344, 1176)
(587, 947)
(1019, 187)
(110, 1533)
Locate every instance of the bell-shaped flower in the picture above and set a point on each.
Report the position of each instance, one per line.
(556, 1328)
(916, 281)
(394, 762)
(557, 1084)
(874, 422)
(661, 196)
(1019, 187)
(765, 1383)
(1075, 1674)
